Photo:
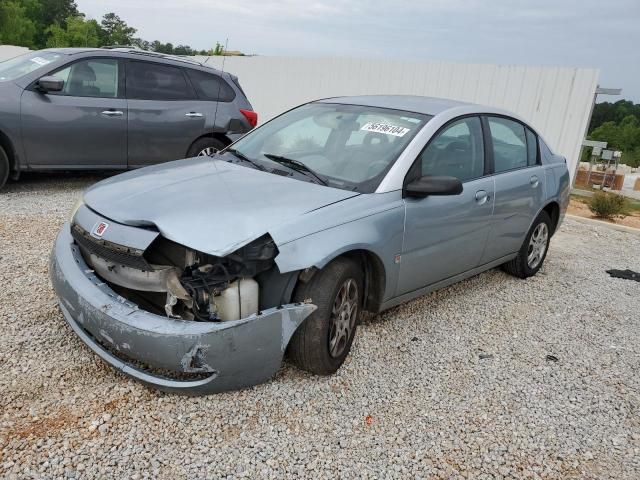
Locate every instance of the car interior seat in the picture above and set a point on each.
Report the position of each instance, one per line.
(81, 76)
(369, 159)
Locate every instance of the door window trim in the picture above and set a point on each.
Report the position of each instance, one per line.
(121, 78)
(488, 141)
(192, 93)
(411, 172)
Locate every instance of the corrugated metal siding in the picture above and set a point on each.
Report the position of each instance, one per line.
(9, 51)
(555, 100)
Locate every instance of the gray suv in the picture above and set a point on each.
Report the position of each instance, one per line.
(120, 108)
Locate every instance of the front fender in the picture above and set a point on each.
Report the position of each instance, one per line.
(380, 234)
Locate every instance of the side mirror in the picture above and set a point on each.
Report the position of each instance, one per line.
(50, 84)
(433, 185)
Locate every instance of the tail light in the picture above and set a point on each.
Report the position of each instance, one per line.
(251, 116)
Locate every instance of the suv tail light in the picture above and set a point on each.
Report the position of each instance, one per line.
(251, 116)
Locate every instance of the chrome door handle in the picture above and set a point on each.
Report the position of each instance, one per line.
(534, 181)
(482, 197)
(113, 113)
(193, 115)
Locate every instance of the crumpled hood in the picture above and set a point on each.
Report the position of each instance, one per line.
(209, 205)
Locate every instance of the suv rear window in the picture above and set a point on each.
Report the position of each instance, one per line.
(210, 86)
(151, 81)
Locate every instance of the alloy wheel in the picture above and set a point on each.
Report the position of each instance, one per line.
(343, 317)
(537, 245)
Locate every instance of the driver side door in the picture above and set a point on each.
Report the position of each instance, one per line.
(446, 235)
(82, 126)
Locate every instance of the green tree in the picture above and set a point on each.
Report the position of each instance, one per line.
(613, 112)
(116, 31)
(183, 50)
(16, 28)
(45, 13)
(78, 32)
(142, 44)
(218, 49)
(160, 47)
(623, 136)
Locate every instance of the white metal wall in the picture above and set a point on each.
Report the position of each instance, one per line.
(555, 100)
(9, 51)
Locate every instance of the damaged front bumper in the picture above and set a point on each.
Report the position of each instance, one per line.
(223, 355)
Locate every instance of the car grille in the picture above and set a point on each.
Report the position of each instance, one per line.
(113, 252)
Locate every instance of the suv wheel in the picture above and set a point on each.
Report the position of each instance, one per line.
(533, 250)
(323, 341)
(206, 146)
(4, 167)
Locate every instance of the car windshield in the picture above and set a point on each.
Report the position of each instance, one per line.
(342, 146)
(27, 63)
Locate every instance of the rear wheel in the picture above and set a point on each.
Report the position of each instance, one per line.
(534, 249)
(205, 147)
(5, 168)
(323, 341)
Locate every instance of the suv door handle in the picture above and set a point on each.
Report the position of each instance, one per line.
(193, 114)
(482, 197)
(534, 181)
(113, 113)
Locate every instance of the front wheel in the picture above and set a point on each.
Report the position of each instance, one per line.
(534, 249)
(323, 341)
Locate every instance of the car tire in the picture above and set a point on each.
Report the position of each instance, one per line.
(323, 341)
(203, 145)
(534, 249)
(5, 167)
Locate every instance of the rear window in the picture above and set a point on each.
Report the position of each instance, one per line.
(151, 81)
(210, 86)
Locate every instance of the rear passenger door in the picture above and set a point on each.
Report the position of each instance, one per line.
(165, 115)
(519, 183)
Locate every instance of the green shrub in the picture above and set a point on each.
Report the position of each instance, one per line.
(608, 205)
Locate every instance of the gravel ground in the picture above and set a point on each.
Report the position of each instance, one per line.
(491, 378)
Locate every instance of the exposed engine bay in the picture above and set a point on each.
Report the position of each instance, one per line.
(172, 280)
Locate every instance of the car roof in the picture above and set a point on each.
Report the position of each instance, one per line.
(410, 103)
(139, 54)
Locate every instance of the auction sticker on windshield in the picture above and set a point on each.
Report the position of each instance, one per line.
(385, 128)
(40, 61)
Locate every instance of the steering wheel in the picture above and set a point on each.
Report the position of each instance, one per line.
(371, 136)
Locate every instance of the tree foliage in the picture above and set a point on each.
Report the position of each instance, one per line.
(116, 31)
(58, 23)
(79, 32)
(618, 124)
(16, 27)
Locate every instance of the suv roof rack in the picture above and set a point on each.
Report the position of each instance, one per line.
(138, 51)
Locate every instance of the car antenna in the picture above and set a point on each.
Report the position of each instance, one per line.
(224, 57)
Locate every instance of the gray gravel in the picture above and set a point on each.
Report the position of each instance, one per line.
(458, 384)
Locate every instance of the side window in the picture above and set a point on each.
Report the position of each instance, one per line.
(151, 81)
(90, 78)
(210, 86)
(532, 148)
(509, 144)
(457, 151)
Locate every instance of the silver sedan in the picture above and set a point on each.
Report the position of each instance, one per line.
(199, 275)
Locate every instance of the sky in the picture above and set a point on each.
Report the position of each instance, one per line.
(575, 33)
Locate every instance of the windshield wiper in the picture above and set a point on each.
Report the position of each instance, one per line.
(296, 165)
(242, 156)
